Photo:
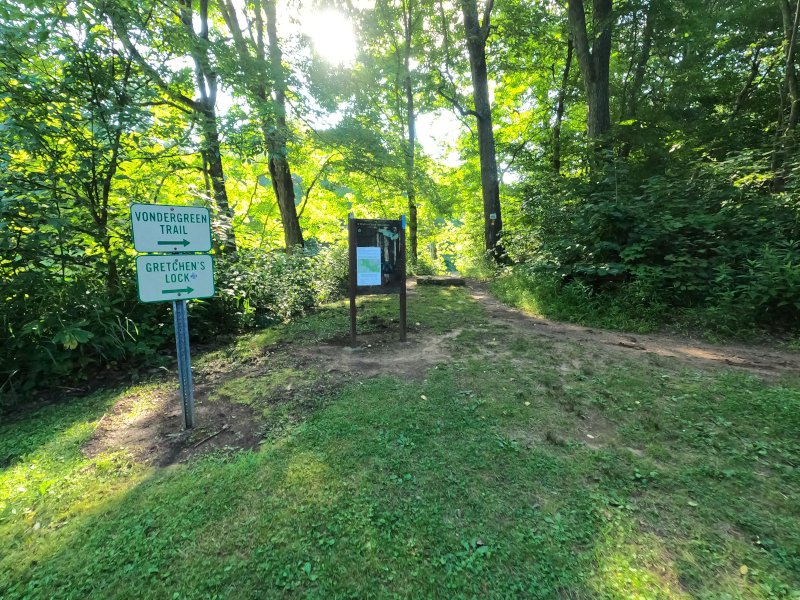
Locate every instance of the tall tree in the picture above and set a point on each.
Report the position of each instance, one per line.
(261, 66)
(791, 21)
(790, 93)
(278, 162)
(410, 21)
(204, 107)
(634, 81)
(477, 33)
(562, 96)
(633, 88)
(594, 60)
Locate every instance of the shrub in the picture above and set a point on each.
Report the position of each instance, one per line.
(709, 237)
(424, 266)
(56, 331)
(259, 288)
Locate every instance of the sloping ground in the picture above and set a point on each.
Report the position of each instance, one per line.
(758, 359)
(494, 455)
(251, 391)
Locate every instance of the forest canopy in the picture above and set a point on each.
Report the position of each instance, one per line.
(628, 160)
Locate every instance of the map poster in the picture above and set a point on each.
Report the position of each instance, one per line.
(368, 265)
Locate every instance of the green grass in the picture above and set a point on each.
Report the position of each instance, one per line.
(433, 311)
(478, 481)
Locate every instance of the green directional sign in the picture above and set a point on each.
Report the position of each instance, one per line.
(178, 277)
(167, 228)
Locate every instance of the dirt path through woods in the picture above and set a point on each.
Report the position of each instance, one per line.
(763, 360)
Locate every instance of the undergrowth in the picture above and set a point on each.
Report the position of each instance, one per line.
(630, 306)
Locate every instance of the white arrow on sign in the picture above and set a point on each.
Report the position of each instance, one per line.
(183, 277)
(165, 228)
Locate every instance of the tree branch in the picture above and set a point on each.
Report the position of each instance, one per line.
(486, 23)
(313, 182)
(577, 22)
(456, 104)
(148, 69)
(745, 92)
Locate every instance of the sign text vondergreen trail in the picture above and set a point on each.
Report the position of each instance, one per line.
(166, 228)
(170, 217)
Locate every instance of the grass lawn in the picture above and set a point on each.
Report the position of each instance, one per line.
(516, 467)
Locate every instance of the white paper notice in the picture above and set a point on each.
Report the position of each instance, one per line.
(368, 265)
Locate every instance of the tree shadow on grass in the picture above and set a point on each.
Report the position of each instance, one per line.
(25, 434)
(385, 493)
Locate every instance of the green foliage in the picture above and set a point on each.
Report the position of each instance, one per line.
(424, 266)
(712, 239)
(55, 334)
(628, 307)
(258, 288)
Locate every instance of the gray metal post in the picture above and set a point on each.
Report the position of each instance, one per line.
(181, 318)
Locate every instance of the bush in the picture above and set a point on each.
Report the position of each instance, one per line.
(56, 331)
(709, 237)
(628, 307)
(424, 266)
(260, 288)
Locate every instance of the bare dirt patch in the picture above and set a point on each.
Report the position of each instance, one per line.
(150, 427)
(381, 354)
(762, 360)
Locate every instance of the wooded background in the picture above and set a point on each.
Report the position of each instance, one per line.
(637, 157)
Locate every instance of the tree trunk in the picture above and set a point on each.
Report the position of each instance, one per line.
(284, 190)
(276, 143)
(594, 62)
(631, 109)
(267, 85)
(790, 25)
(790, 90)
(411, 130)
(562, 95)
(205, 108)
(630, 103)
(477, 33)
(748, 86)
(211, 151)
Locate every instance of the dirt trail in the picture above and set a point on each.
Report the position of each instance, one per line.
(763, 360)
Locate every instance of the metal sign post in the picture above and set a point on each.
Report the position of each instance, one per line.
(403, 286)
(181, 318)
(174, 272)
(377, 261)
(351, 279)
